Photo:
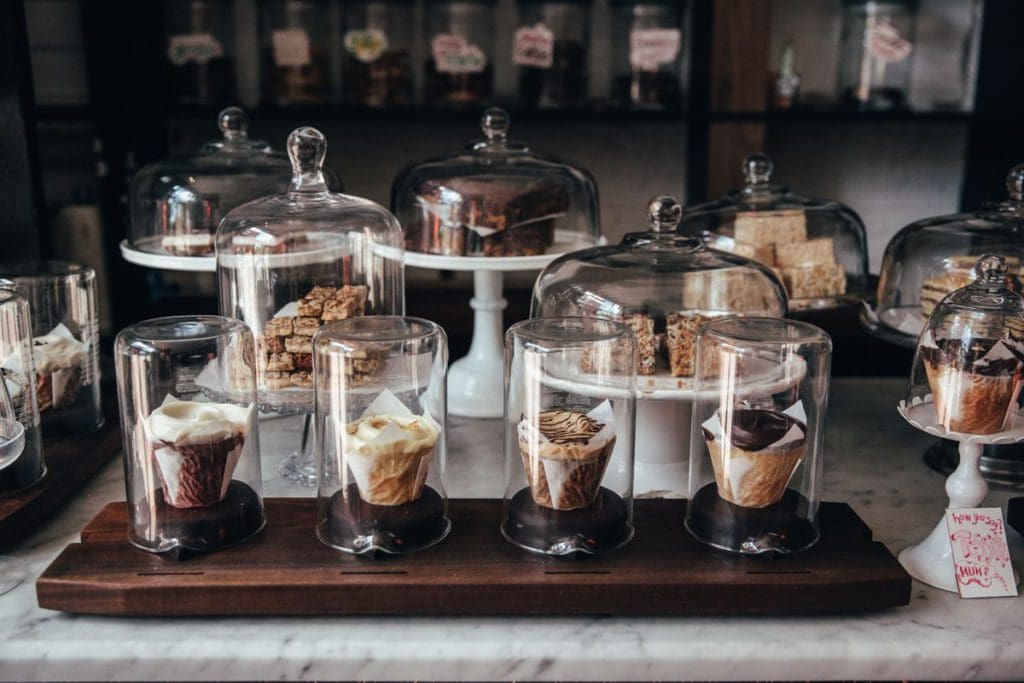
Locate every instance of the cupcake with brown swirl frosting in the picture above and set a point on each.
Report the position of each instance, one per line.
(565, 455)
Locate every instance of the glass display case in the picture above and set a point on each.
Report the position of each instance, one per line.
(65, 343)
(569, 427)
(290, 262)
(18, 370)
(200, 50)
(932, 257)
(648, 53)
(296, 44)
(664, 286)
(459, 71)
(817, 247)
(191, 460)
(877, 47)
(380, 434)
(378, 41)
(551, 49)
(759, 406)
(496, 198)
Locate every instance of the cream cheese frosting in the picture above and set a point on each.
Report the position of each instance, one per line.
(386, 434)
(52, 351)
(189, 422)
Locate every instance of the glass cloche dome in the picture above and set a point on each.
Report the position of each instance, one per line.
(177, 203)
(817, 247)
(662, 285)
(932, 257)
(288, 263)
(496, 198)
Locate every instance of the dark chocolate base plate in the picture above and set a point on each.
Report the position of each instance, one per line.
(603, 526)
(28, 470)
(83, 416)
(779, 529)
(355, 526)
(206, 529)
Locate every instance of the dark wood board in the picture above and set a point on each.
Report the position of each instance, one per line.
(287, 571)
(70, 463)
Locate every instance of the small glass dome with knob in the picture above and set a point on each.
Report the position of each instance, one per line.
(932, 257)
(177, 203)
(817, 247)
(290, 262)
(496, 198)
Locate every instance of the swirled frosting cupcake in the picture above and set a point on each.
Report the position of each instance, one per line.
(389, 456)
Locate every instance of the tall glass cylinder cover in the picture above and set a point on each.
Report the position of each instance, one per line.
(191, 450)
(551, 50)
(288, 263)
(201, 50)
(295, 39)
(459, 70)
(648, 53)
(569, 427)
(759, 406)
(65, 343)
(18, 371)
(380, 434)
(877, 48)
(378, 41)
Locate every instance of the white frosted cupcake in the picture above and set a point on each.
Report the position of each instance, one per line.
(389, 456)
(60, 361)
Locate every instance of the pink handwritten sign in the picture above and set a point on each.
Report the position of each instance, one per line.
(981, 557)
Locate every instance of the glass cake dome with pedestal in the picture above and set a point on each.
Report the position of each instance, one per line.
(288, 263)
(665, 287)
(817, 247)
(930, 258)
(496, 198)
(177, 203)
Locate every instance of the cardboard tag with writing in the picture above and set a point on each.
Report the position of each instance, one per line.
(981, 556)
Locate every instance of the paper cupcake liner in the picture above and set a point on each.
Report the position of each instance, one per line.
(197, 475)
(971, 403)
(754, 479)
(565, 484)
(391, 478)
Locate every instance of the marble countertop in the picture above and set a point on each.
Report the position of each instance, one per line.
(873, 461)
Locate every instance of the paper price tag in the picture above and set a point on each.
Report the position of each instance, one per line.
(650, 48)
(981, 557)
(366, 45)
(534, 46)
(884, 42)
(456, 55)
(194, 47)
(291, 47)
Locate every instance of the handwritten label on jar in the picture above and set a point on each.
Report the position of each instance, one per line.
(650, 48)
(456, 55)
(981, 558)
(199, 48)
(366, 45)
(291, 47)
(534, 46)
(884, 42)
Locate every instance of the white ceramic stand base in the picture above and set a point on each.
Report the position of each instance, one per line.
(931, 560)
(662, 447)
(147, 259)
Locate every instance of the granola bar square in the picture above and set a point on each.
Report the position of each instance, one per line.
(280, 362)
(299, 344)
(310, 308)
(279, 327)
(306, 327)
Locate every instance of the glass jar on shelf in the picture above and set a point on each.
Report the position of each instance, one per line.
(296, 51)
(65, 343)
(459, 71)
(17, 368)
(200, 50)
(378, 43)
(877, 45)
(648, 53)
(192, 456)
(290, 262)
(380, 434)
(496, 198)
(817, 247)
(551, 49)
(932, 257)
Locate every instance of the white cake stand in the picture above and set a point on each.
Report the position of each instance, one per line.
(147, 259)
(931, 560)
(476, 382)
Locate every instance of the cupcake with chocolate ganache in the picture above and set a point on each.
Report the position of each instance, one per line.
(755, 455)
(565, 455)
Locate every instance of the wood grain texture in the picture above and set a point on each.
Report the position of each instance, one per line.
(287, 571)
(70, 463)
(740, 31)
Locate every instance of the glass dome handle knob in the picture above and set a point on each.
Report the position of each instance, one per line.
(233, 123)
(757, 169)
(991, 269)
(307, 148)
(494, 123)
(664, 213)
(1015, 183)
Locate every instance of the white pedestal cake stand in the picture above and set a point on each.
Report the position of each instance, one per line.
(147, 259)
(476, 382)
(931, 560)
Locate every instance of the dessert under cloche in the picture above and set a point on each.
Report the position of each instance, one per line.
(496, 198)
(817, 247)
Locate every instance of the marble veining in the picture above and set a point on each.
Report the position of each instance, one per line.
(873, 461)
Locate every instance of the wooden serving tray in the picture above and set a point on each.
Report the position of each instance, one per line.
(285, 570)
(70, 463)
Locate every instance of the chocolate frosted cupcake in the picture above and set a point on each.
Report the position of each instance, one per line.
(565, 455)
(389, 456)
(755, 460)
(196, 447)
(974, 387)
